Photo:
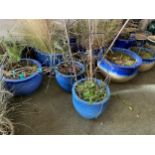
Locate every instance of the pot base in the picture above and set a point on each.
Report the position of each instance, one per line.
(117, 78)
(146, 67)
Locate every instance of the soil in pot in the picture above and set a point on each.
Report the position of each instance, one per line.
(90, 91)
(19, 70)
(69, 69)
(120, 58)
(142, 53)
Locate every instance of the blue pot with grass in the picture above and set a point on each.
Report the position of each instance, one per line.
(48, 59)
(25, 85)
(149, 61)
(90, 110)
(66, 81)
(119, 73)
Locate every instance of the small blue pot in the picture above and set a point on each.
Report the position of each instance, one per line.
(47, 59)
(28, 85)
(84, 108)
(120, 73)
(66, 81)
(124, 43)
(147, 64)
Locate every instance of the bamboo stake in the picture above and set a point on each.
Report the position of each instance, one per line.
(90, 50)
(117, 36)
(69, 48)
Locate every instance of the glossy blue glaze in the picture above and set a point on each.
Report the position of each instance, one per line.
(47, 59)
(120, 70)
(86, 109)
(66, 81)
(28, 85)
(124, 43)
(148, 60)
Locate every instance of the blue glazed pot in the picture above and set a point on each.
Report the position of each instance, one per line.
(120, 73)
(66, 81)
(47, 59)
(148, 63)
(28, 85)
(84, 108)
(124, 43)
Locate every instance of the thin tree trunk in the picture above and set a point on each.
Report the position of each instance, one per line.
(90, 50)
(70, 52)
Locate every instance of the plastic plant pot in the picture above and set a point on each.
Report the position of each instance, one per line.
(120, 73)
(66, 81)
(89, 110)
(47, 59)
(148, 63)
(124, 43)
(27, 85)
(151, 42)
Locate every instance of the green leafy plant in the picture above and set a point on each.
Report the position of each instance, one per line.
(12, 48)
(90, 91)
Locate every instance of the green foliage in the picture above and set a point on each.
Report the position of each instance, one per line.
(13, 50)
(90, 91)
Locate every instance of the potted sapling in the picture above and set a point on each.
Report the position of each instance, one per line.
(90, 96)
(21, 76)
(120, 64)
(68, 71)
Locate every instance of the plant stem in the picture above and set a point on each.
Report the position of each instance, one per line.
(69, 48)
(117, 36)
(90, 56)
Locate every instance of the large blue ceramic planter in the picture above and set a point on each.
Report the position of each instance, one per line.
(66, 81)
(28, 85)
(85, 109)
(47, 59)
(147, 63)
(124, 43)
(120, 73)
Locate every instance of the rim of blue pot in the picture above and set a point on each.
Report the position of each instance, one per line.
(76, 62)
(128, 52)
(31, 76)
(126, 40)
(105, 99)
(148, 50)
(152, 42)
